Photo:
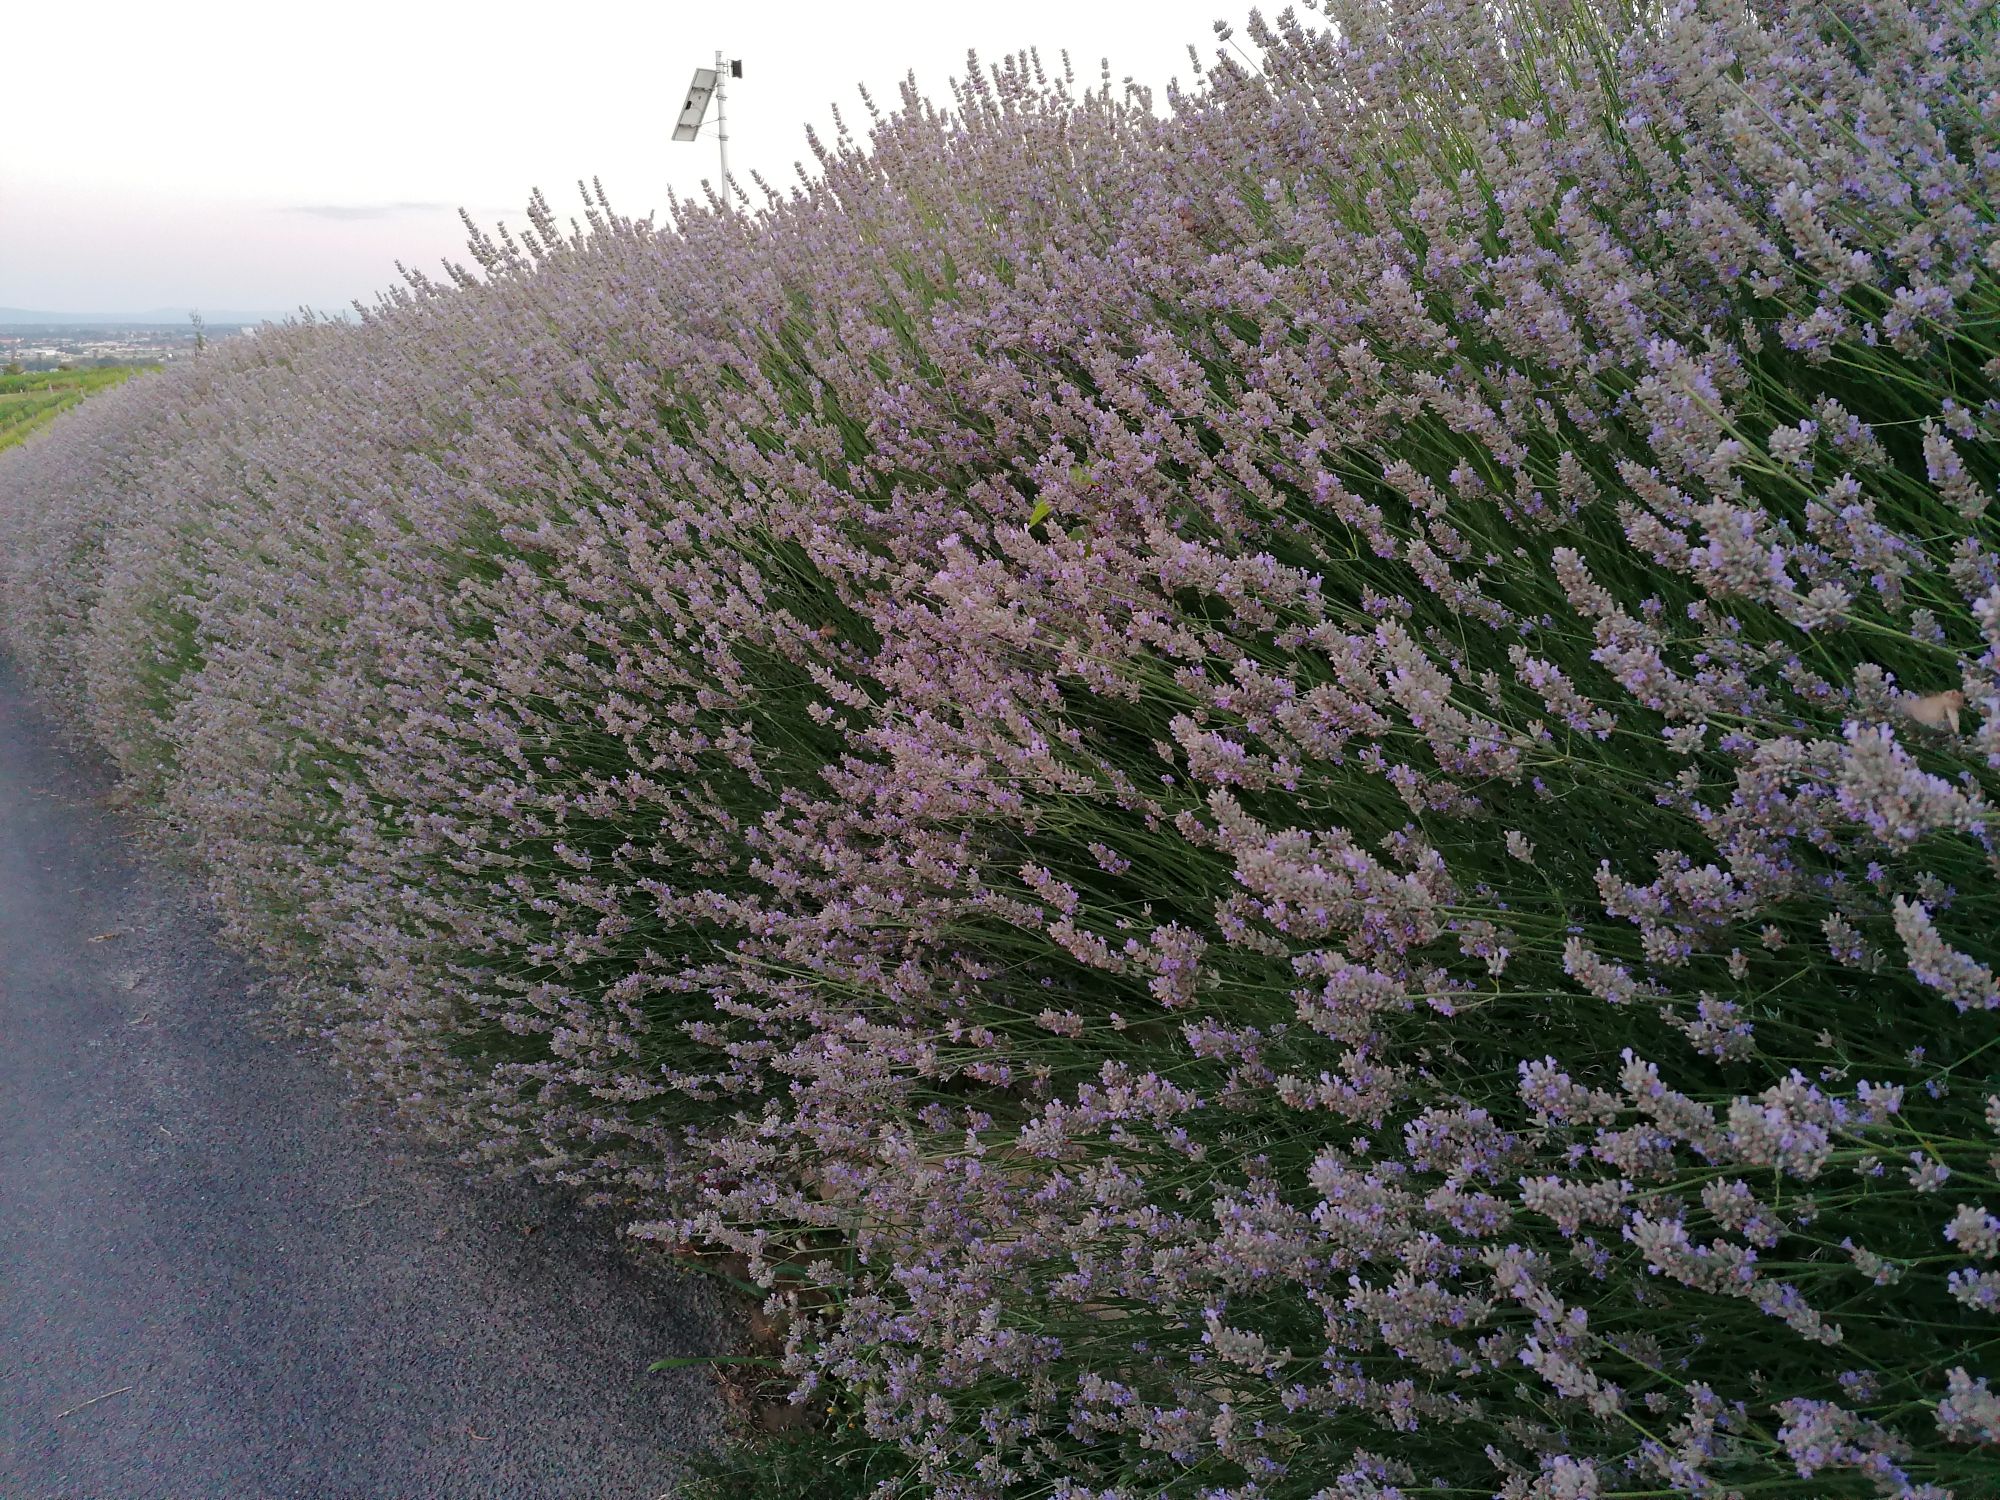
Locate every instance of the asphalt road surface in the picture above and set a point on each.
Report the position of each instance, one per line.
(222, 1277)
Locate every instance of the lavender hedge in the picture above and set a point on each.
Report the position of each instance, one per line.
(1285, 799)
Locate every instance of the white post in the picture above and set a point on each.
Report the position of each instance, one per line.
(722, 118)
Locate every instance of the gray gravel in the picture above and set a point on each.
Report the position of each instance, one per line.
(287, 1296)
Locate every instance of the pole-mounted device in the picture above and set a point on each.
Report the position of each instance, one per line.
(710, 83)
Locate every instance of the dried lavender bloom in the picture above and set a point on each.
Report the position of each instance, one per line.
(1969, 985)
(1971, 1412)
(1975, 1231)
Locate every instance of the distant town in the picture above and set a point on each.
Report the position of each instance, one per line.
(82, 346)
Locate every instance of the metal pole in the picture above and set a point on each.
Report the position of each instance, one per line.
(722, 118)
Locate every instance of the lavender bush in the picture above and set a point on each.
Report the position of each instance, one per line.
(1286, 799)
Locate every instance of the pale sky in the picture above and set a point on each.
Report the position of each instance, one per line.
(259, 154)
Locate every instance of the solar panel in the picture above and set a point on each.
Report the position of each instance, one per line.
(697, 104)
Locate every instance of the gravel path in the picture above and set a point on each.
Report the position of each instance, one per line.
(220, 1277)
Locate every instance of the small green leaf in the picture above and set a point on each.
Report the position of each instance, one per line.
(688, 1362)
(1040, 513)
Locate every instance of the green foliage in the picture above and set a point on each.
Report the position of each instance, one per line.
(833, 1465)
(29, 402)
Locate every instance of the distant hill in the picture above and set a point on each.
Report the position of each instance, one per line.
(158, 317)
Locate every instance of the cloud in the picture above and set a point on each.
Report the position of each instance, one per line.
(351, 211)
